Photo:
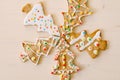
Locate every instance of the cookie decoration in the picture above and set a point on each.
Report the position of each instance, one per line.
(92, 43)
(23, 57)
(77, 9)
(34, 51)
(64, 59)
(44, 23)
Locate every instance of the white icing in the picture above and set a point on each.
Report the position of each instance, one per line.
(45, 23)
(77, 39)
(70, 54)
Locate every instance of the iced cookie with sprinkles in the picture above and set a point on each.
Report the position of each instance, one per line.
(64, 60)
(36, 17)
(34, 51)
(77, 9)
(92, 43)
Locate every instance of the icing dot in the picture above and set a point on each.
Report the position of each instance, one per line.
(62, 12)
(89, 48)
(41, 20)
(71, 20)
(78, 6)
(89, 39)
(21, 55)
(52, 72)
(68, 29)
(56, 66)
(45, 43)
(77, 45)
(38, 19)
(50, 20)
(67, 37)
(33, 58)
(47, 27)
(72, 37)
(71, 6)
(34, 14)
(95, 52)
(54, 27)
(63, 62)
(96, 44)
(81, 12)
(27, 47)
(34, 20)
(83, 39)
(44, 48)
(81, 43)
(63, 67)
(60, 48)
(85, 12)
(83, 32)
(60, 26)
(44, 29)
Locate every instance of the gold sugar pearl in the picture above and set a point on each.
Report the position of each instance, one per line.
(81, 13)
(38, 51)
(85, 12)
(90, 13)
(95, 52)
(33, 58)
(70, 1)
(63, 67)
(72, 37)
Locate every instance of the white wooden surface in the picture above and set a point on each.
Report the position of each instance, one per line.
(12, 32)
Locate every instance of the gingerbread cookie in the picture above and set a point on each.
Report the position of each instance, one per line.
(93, 43)
(34, 51)
(73, 18)
(44, 23)
(64, 61)
(26, 8)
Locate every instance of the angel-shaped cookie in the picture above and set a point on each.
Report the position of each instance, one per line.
(34, 51)
(36, 17)
(93, 43)
(64, 59)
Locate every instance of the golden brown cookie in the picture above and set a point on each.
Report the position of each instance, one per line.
(92, 43)
(26, 8)
(77, 9)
